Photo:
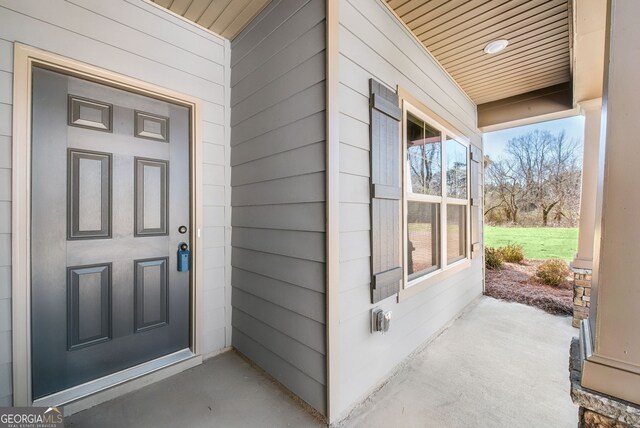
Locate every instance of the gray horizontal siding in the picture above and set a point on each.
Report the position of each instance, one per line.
(278, 181)
(142, 41)
(303, 216)
(303, 273)
(373, 44)
(299, 382)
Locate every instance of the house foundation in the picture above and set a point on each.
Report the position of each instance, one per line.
(598, 410)
(581, 295)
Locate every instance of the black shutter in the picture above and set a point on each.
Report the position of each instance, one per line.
(475, 171)
(386, 192)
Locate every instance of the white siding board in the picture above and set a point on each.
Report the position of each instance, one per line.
(304, 160)
(5, 282)
(214, 338)
(214, 279)
(6, 56)
(354, 104)
(6, 87)
(5, 347)
(213, 154)
(213, 196)
(193, 40)
(57, 39)
(214, 258)
(213, 237)
(362, 349)
(184, 25)
(5, 120)
(306, 217)
(5, 217)
(111, 32)
(354, 245)
(213, 133)
(354, 132)
(212, 174)
(213, 215)
(213, 113)
(5, 250)
(6, 382)
(381, 368)
(354, 188)
(5, 151)
(5, 184)
(373, 44)
(5, 315)
(355, 273)
(354, 217)
(354, 160)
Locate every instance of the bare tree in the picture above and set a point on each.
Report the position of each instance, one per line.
(505, 186)
(541, 169)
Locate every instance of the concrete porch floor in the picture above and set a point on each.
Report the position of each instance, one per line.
(499, 365)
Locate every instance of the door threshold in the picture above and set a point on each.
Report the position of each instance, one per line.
(106, 388)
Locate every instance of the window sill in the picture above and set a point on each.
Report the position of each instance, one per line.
(419, 286)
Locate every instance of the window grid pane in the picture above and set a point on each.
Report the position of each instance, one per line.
(423, 238)
(424, 158)
(456, 169)
(456, 232)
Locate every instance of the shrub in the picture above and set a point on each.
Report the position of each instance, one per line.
(553, 272)
(492, 258)
(512, 253)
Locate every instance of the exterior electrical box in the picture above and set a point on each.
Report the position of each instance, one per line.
(380, 321)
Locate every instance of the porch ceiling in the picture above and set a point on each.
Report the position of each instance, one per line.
(224, 17)
(456, 32)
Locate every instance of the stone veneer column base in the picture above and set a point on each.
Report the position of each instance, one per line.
(598, 410)
(581, 295)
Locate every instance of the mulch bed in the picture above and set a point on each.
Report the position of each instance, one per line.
(517, 283)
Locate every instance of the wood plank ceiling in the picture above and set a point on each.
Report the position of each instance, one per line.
(456, 32)
(224, 17)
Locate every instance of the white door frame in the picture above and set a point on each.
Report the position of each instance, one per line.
(25, 58)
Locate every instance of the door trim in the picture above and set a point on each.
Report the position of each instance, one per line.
(25, 58)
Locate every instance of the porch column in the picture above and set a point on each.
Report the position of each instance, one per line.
(610, 338)
(591, 111)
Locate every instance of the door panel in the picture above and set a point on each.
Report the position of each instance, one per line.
(89, 195)
(110, 189)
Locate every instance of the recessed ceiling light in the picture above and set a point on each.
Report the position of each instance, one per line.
(495, 46)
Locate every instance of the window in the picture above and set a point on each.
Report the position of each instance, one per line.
(436, 201)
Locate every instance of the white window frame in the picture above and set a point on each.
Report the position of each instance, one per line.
(446, 269)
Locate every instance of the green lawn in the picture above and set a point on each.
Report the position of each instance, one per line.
(538, 242)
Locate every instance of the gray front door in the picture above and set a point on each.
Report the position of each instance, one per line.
(110, 207)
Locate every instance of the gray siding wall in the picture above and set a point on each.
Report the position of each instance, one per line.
(374, 44)
(133, 38)
(278, 181)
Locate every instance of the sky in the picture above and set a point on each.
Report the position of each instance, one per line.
(495, 142)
